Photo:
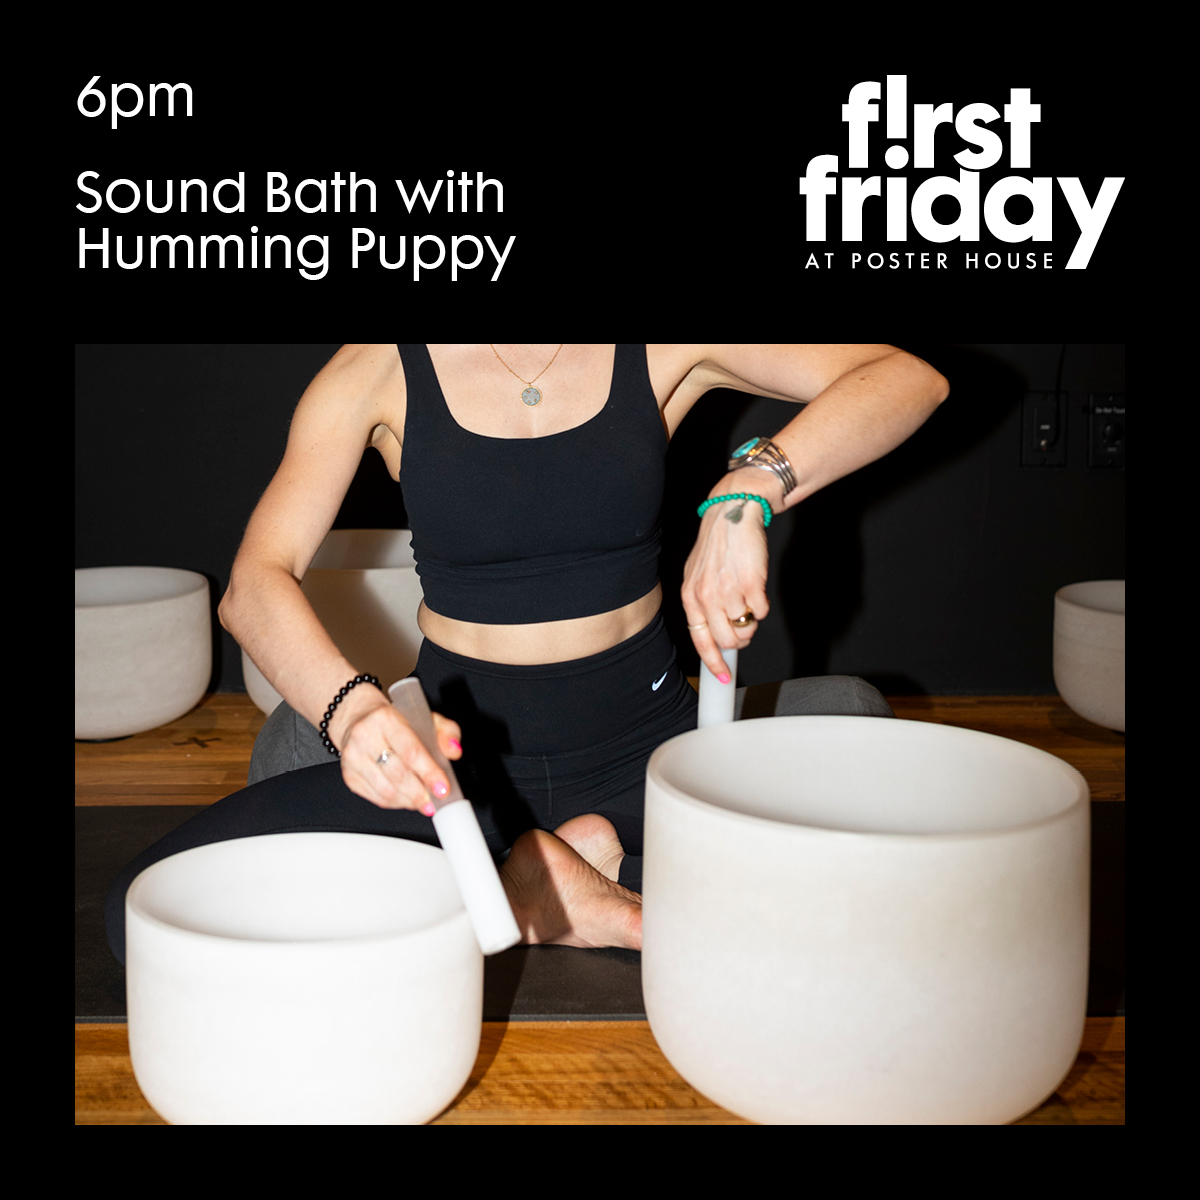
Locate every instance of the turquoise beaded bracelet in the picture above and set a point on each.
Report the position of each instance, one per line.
(766, 504)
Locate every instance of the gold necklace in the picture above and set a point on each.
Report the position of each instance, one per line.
(531, 396)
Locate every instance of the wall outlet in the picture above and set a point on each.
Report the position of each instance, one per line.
(1044, 430)
(1106, 431)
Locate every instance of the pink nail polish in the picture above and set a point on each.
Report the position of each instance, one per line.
(722, 678)
(440, 790)
(456, 744)
(429, 810)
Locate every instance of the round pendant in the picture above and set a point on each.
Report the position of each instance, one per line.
(531, 396)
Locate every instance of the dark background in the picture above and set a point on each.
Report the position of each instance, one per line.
(662, 195)
(932, 571)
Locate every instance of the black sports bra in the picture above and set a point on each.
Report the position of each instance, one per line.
(509, 531)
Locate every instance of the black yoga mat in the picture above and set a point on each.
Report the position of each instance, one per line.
(528, 982)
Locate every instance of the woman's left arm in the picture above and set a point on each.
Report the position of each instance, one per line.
(861, 402)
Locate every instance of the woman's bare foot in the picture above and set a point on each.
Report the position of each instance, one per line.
(558, 898)
(595, 840)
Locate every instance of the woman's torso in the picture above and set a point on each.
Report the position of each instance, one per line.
(534, 511)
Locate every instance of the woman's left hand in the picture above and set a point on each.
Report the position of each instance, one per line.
(726, 572)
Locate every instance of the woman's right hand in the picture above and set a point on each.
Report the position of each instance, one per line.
(365, 726)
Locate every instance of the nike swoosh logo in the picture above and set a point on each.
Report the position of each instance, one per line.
(658, 682)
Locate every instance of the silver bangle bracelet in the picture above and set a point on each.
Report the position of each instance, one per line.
(762, 452)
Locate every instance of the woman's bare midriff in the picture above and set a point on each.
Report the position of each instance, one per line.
(544, 641)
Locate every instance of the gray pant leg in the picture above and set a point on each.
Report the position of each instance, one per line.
(822, 695)
(287, 742)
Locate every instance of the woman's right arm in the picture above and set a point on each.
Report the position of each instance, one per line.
(361, 388)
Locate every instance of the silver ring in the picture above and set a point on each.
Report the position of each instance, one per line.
(747, 618)
(702, 625)
(383, 759)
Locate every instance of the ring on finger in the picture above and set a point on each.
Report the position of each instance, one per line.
(384, 758)
(747, 618)
(702, 625)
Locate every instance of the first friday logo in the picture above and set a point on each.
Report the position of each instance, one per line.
(981, 137)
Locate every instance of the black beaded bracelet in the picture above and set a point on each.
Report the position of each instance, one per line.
(324, 726)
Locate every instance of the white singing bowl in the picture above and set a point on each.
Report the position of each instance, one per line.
(143, 648)
(364, 588)
(301, 979)
(1089, 650)
(853, 920)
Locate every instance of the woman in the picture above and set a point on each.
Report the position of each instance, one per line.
(532, 477)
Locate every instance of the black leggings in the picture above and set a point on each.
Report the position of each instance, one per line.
(541, 744)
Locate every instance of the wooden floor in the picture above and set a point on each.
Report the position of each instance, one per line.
(201, 758)
(589, 1073)
(578, 1072)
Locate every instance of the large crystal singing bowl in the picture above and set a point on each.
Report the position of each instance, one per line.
(302, 979)
(852, 920)
(1089, 650)
(143, 648)
(364, 588)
